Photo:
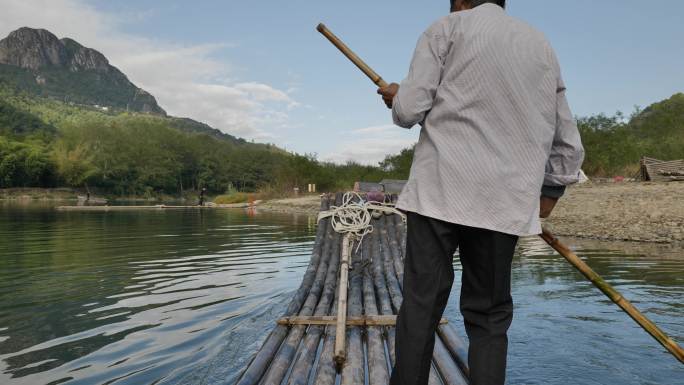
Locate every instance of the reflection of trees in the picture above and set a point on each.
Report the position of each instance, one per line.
(63, 273)
(620, 263)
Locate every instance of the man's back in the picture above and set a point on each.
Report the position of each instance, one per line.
(488, 90)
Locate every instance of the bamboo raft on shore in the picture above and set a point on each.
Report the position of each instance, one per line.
(159, 207)
(301, 347)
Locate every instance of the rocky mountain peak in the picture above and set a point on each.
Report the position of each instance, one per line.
(33, 49)
(67, 70)
(38, 48)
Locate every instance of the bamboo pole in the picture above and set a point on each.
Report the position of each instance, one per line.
(353, 370)
(256, 368)
(450, 372)
(456, 345)
(378, 370)
(341, 329)
(283, 360)
(388, 266)
(652, 329)
(326, 373)
(306, 356)
(391, 233)
(394, 290)
(365, 68)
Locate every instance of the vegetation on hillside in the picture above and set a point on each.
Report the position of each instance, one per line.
(46, 143)
(613, 144)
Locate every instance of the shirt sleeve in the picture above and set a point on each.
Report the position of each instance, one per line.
(417, 92)
(567, 153)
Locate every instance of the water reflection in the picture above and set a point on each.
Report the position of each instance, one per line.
(188, 296)
(133, 296)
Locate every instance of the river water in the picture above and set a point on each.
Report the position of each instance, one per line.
(186, 297)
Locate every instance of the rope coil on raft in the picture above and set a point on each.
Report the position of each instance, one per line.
(354, 215)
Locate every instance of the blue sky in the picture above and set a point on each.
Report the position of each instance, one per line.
(260, 70)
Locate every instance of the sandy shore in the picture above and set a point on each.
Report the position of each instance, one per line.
(643, 212)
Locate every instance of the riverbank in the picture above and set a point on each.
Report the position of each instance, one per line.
(43, 194)
(69, 194)
(308, 204)
(641, 212)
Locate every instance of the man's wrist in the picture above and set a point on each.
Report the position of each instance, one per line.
(552, 191)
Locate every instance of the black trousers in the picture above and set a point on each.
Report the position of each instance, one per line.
(486, 302)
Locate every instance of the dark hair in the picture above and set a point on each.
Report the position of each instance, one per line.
(475, 3)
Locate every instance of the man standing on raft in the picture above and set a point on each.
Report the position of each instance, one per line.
(497, 147)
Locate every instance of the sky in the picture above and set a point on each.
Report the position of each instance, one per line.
(260, 70)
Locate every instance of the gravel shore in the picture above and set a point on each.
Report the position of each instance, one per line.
(643, 212)
(630, 211)
(308, 204)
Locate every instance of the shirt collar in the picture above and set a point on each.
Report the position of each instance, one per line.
(489, 6)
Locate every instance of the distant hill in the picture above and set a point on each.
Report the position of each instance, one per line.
(36, 61)
(661, 120)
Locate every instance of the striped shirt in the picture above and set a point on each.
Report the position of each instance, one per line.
(496, 126)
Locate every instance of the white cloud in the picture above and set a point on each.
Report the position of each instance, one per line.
(370, 145)
(186, 80)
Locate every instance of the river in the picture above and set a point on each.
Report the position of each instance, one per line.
(187, 296)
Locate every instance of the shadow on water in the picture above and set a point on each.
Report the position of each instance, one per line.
(188, 296)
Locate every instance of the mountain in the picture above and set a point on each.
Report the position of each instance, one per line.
(37, 62)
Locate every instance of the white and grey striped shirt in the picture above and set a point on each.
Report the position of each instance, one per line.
(496, 125)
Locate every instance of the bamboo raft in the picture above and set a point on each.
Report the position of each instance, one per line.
(158, 207)
(301, 348)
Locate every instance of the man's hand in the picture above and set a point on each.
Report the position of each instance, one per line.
(546, 205)
(388, 93)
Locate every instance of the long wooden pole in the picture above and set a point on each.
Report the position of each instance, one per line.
(365, 68)
(614, 295)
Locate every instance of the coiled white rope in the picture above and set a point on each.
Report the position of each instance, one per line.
(354, 215)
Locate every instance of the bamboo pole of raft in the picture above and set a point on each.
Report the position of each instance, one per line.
(393, 243)
(263, 357)
(306, 356)
(353, 370)
(456, 345)
(394, 290)
(365, 68)
(341, 331)
(446, 366)
(378, 372)
(652, 329)
(388, 265)
(282, 361)
(326, 372)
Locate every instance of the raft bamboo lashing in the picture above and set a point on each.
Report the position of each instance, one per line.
(301, 347)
